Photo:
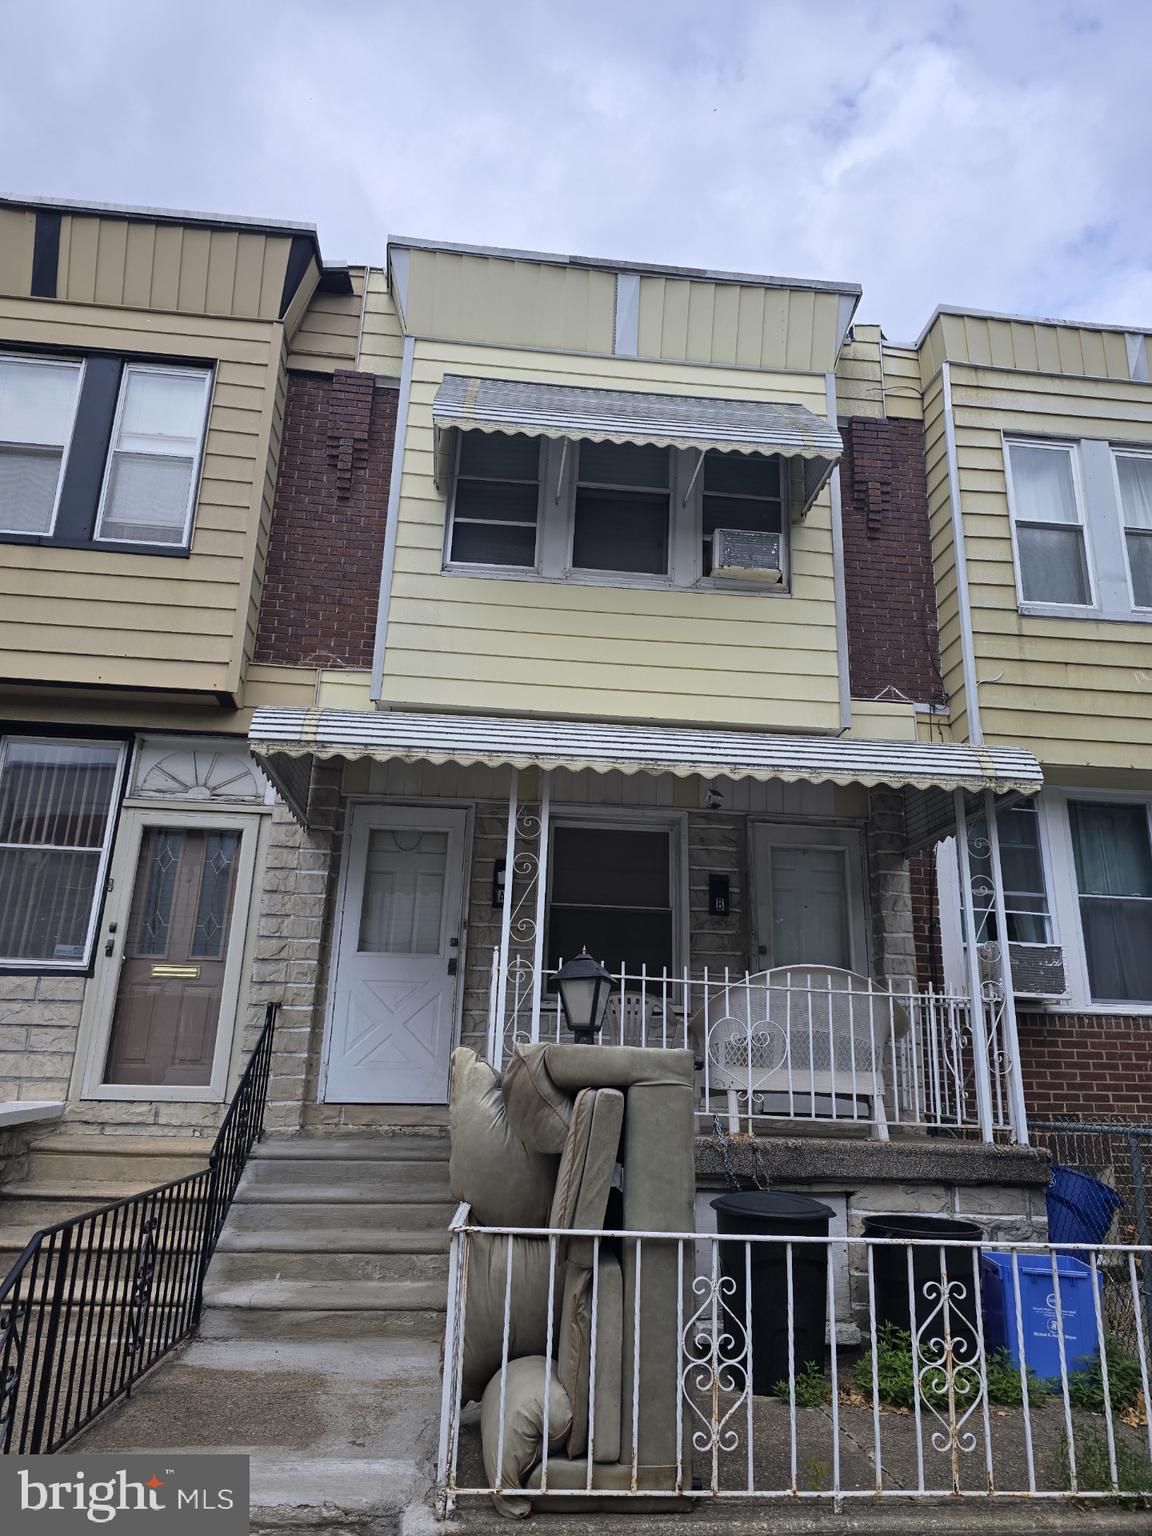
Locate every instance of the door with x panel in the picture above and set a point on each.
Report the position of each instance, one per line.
(394, 1001)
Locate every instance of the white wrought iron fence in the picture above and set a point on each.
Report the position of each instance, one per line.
(981, 1370)
(802, 1042)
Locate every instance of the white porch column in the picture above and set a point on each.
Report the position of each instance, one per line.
(975, 980)
(506, 919)
(541, 896)
(1010, 1042)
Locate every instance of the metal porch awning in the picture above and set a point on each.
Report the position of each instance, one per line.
(281, 738)
(628, 416)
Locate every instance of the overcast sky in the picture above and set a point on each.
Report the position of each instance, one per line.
(992, 153)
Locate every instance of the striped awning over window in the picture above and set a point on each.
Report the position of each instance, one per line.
(280, 736)
(628, 416)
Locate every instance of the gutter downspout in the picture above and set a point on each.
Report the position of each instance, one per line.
(839, 588)
(967, 644)
(389, 562)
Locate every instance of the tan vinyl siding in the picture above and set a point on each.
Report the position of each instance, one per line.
(738, 325)
(326, 336)
(124, 262)
(565, 648)
(503, 302)
(87, 616)
(382, 344)
(1074, 690)
(17, 238)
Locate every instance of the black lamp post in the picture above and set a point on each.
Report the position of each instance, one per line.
(584, 987)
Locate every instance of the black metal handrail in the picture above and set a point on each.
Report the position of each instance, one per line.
(94, 1302)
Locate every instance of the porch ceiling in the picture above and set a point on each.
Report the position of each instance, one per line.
(279, 737)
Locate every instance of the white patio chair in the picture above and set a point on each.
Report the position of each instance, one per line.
(801, 1034)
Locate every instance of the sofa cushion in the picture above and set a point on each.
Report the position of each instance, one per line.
(487, 1286)
(507, 1465)
(538, 1110)
(574, 1354)
(507, 1183)
(591, 1149)
(571, 1067)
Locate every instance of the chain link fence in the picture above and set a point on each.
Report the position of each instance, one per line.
(1114, 1202)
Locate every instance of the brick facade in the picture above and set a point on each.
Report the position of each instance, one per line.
(1085, 1065)
(893, 641)
(322, 580)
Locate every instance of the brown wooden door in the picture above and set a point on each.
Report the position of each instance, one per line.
(171, 979)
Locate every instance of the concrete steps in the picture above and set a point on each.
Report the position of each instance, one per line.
(335, 1237)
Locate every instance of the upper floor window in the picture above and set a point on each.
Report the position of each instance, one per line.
(599, 511)
(100, 451)
(37, 411)
(151, 469)
(57, 809)
(623, 503)
(496, 503)
(1048, 515)
(1134, 474)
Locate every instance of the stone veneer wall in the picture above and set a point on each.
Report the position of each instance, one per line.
(889, 889)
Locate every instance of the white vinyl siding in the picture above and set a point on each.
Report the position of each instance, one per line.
(150, 479)
(37, 413)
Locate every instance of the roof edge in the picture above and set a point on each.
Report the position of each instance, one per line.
(136, 213)
(965, 313)
(643, 268)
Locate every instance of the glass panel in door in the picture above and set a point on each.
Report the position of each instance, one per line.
(175, 950)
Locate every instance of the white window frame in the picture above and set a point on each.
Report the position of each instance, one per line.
(675, 824)
(1120, 450)
(1071, 447)
(555, 530)
(77, 364)
(1065, 898)
(75, 965)
(169, 370)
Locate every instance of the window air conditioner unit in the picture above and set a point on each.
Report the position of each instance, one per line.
(747, 556)
(1038, 970)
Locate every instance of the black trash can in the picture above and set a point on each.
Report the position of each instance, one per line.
(773, 1213)
(961, 1268)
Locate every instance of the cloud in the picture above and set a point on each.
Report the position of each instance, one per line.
(986, 154)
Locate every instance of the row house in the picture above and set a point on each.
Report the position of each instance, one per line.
(377, 639)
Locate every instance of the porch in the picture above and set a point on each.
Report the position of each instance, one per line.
(748, 893)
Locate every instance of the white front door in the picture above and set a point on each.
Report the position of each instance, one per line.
(809, 896)
(394, 1002)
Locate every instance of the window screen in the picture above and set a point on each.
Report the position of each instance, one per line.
(37, 409)
(496, 506)
(56, 806)
(621, 516)
(741, 491)
(1134, 472)
(1049, 530)
(612, 895)
(155, 450)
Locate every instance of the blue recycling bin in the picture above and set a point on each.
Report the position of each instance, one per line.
(1038, 1311)
(1080, 1208)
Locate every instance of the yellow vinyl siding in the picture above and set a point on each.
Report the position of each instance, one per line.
(1072, 689)
(738, 325)
(902, 395)
(944, 554)
(137, 265)
(860, 374)
(88, 616)
(501, 301)
(1027, 346)
(382, 344)
(17, 239)
(600, 650)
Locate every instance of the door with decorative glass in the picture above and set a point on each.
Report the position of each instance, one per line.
(394, 1001)
(169, 956)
